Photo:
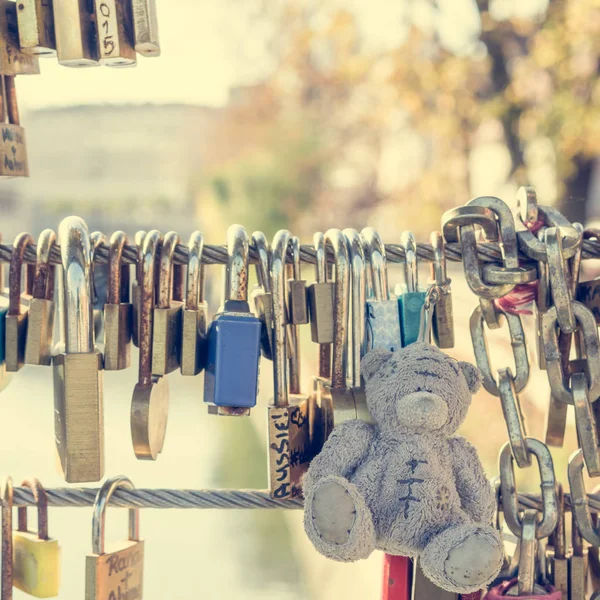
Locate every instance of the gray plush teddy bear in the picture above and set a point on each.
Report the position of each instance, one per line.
(406, 485)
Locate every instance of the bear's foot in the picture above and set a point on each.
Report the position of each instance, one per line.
(338, 521)
(464, 558)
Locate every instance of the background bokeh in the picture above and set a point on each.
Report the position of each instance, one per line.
(303, 114)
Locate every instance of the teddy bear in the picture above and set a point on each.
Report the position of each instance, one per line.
(406, 484)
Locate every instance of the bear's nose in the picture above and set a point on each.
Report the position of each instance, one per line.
(423, 410)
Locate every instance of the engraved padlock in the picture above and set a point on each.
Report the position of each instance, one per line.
(117, 309)
(13, 149)
(13, 61)
(36, 27)
(194, 316)
(17, 316)
(114, 30)
(36, 557)
(40, 329)
(136, 287)
(150, 402)
(443, 318)
(233, 338)
(262, 296)
(166, 335)
(76, 44)
(320, 297)
(296, 288)
(289, 451)
(145, 27)
(116, 572)
(77, 370)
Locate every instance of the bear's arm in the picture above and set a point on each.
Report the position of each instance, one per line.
(476, 494)
(345, 448)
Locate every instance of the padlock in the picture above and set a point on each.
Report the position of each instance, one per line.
(114, 30)
(397, 578)
(261, 295)
(77, 370)
(117, 309)
(320, 297)
(166, 335)
(150, 403)
(40, 328)
(559, 565)
(383, 312)
(145, 27)
(443, 318)
(13, 149)
(578, 568)
(136, 287)
(36, 27)
(4, 376)
(76, 43)
(288, 419)
(296, 288)
(116, 573)
(13, 61)
(410, 300)
(233, 338)
(36, 557)
(17, 316)
(6, 498)
(424, 589)
(194, 316)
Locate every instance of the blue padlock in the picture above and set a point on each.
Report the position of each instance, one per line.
(231, 375)
(411, 300)
(382, 312)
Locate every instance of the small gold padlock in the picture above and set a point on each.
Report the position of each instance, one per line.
(117, 572)
(75, 36)
(36, 27)
(12, 60)
(13, 150)
(36, 557)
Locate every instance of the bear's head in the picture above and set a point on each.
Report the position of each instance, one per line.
(418, 389)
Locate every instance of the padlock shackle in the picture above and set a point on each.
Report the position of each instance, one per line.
(320, 257)
(6, 497)
(138, 240)
(10, 100)
(438, 267)
(166, 274)
(263, 264)
(43, 282)
(376, 257)
(358, 301)
(100, 504)
(296, 269)
(195, 272)
(236, 270)
(76, 255)
(98, 238)
(411, 267)
(41, 499)
(278, 290)
(152, 242)
(116, 283)
(15, 273)
(335, 240)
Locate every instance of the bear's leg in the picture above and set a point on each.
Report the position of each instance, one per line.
(463, 558)
(338, 521)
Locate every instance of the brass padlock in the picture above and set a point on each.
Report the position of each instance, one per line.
(12, 60)
(145, 27)
(6, 498)
(166, 336)
(320, 297)
(443, 319)
(40, 329)
(136, 287)
(77, 370)
(117, 310)
(17, 316)
(114, 30)
(116, 573)
(262, 296)
(297, 300)
(36, 557)
(194, 317)
(150, 403)
(13, 150)
(76, 43)
(36, 27)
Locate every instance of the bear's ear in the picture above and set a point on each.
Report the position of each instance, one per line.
(373, 361)
(472, 375)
